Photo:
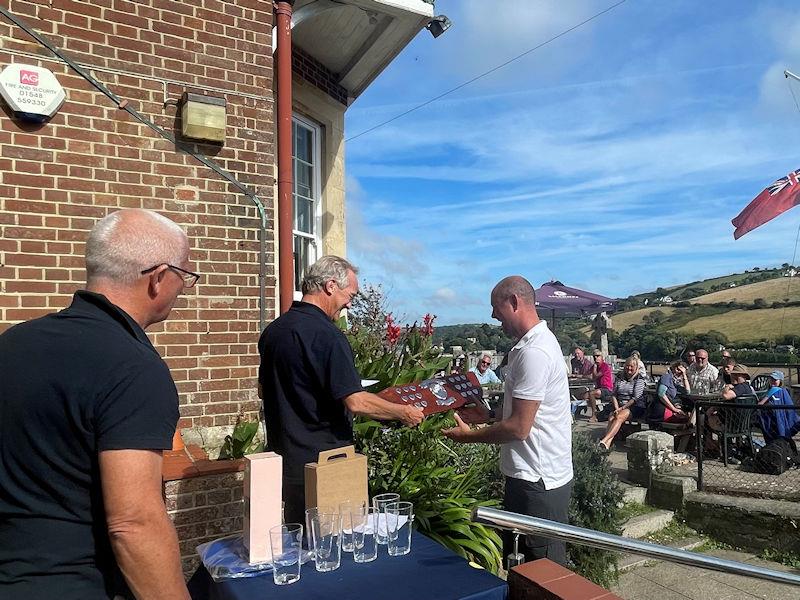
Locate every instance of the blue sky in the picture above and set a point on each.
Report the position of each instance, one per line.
(611, 159)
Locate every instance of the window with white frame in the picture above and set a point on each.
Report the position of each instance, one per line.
(306, 165)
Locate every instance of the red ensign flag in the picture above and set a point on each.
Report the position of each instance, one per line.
(776, 199)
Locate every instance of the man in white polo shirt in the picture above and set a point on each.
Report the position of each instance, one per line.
(536, 430)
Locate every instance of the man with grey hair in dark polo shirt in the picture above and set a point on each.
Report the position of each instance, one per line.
(86, 407)
(308, 380)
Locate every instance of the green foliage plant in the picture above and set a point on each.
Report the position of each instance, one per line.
(444, 480)
(596, 496)
(241, 441)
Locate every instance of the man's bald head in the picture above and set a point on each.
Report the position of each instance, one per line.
(515, 286)
(514, 305)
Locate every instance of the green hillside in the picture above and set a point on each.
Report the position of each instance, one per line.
(780, 289)
(749, 325)
(767, 309)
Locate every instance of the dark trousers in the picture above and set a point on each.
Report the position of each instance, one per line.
(534, 500)
(294, 502)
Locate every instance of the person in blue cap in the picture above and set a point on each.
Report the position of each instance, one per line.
(778, 423)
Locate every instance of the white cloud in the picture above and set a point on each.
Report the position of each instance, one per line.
(444, 295)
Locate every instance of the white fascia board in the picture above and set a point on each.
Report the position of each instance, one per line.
(396, 7)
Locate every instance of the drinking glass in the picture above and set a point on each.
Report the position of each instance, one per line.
(399, 516)
(326, 532)
(286, 546)
(310, 514)
(365, 544)
(345, 511)
(379, 502)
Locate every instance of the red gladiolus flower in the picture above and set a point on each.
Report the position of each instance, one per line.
(427, 324)
(392, 330)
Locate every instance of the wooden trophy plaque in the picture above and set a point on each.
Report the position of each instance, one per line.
(461, 393)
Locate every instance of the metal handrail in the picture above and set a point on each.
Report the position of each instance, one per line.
(587, 537)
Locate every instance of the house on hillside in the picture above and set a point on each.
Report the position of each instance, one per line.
(159, 60)
(790, 272)
(665, 300)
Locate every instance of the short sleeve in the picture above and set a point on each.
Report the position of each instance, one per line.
(638, 388)
(139, 410)
(530, 375)
(341, 375)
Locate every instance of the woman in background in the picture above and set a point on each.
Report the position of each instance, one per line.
(628, 400)
(663, 409)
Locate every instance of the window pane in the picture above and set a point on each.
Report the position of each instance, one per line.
(303, 142)
(303, 254)
(303, 215)
(303, 179)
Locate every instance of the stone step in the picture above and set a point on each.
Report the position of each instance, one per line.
(634, 493)
(640, 526)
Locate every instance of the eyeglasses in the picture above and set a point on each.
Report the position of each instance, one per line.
(702, 358)
(189, 278)
(483, 362)
(598, 356)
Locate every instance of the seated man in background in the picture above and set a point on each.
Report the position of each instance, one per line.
(580, 364)
(702, 374)
(726, 354)
(740, 383)
(603, 384)
(483, 371)
(715, 418)
(724, 377)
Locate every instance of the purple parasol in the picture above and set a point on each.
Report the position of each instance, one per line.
(562, 301)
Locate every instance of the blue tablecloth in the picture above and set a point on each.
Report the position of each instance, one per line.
(430, 571)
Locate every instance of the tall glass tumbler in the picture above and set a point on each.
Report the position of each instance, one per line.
(365, 544)
(286, 543)
(379, 502)
(345, 510)
(310, 514)
(399, 517)
(326, 532)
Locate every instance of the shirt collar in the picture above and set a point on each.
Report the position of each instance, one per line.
(310, 309)
(532, 332)
(85, 301)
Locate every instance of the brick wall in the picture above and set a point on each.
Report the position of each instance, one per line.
(203, 498)
(56, 179)
(318, 75)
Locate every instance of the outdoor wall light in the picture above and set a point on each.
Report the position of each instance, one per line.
(203, 117)
(438, 25)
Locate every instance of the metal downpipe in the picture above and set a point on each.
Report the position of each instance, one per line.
(283, 14)
(587, 537)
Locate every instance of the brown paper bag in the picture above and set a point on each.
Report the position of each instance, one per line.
(338, 475)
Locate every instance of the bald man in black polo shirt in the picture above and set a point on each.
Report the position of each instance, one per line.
(308, 381)
(86, 407)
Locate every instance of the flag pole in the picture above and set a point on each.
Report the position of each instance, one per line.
(787, 73)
